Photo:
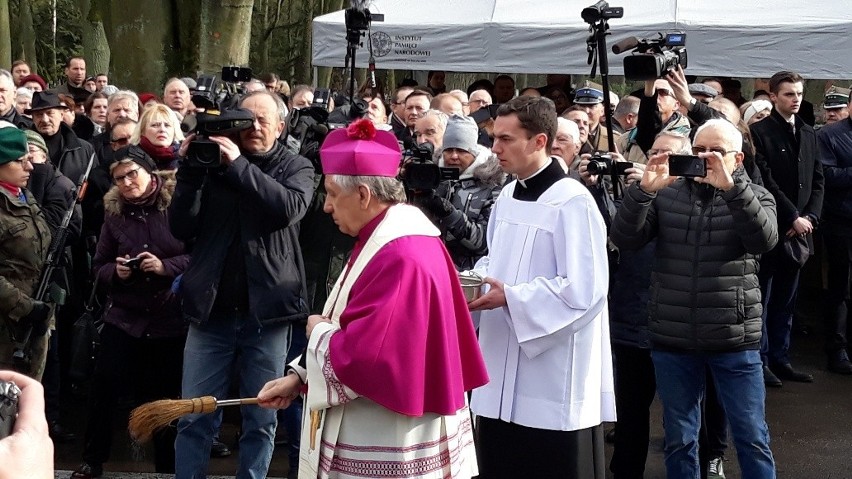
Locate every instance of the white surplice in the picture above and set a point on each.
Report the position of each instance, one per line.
(357, 437)
(548, 352)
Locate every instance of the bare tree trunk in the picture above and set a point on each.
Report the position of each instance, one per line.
(95, 44)
(5, 34)
(225, 33)
(141, 40)
(27, 39)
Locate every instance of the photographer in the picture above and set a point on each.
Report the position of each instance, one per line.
(658, 112)
(461, 208)
(704, 304)
(245, 283)
(28, 451)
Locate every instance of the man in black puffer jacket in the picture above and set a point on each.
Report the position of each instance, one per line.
(704, 307)
(245, 284)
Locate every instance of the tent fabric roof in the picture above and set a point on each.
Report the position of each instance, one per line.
(751, 38)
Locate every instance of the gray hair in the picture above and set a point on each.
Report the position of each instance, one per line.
(24, 91)
(732, 135)
(628, 104)
(441, 116)
(279, 103)
(124, 95)
(384, 188)
(5, 73)
(685, 147)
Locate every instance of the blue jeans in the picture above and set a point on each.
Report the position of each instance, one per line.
(739, 381)
(211, 349)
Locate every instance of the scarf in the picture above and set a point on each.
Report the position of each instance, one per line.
(163, 156)
(14, 190)
(263, 160)
(150, 195)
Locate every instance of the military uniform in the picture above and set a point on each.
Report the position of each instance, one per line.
(24, 243)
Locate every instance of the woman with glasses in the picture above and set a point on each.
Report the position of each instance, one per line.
(24, 241)
(142, 340)
(159, 134)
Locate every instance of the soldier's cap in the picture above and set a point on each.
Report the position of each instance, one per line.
(835, 100)
(588, 96)
(13, 145)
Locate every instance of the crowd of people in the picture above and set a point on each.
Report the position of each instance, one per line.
(324, 280)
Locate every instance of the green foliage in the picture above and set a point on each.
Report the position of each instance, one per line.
(68, 40)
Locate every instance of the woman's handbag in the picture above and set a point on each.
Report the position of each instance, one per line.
(85, 340)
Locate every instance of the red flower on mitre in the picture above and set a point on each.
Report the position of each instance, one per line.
(362, 129)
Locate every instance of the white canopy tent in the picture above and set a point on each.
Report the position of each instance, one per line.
(741, 38)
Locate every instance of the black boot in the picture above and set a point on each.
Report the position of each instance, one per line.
(838, 362)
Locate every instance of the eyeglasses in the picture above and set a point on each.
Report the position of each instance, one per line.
(651, 153)
(120, 141)
(131, 175)
(701, 149)
(664, 92)
(24, 161)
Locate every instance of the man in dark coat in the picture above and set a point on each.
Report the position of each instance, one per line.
(835, 149)
(704, 302)
(786, 154)
(244, 286)
(7, 102)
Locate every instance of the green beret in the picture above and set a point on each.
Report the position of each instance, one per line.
(13, 145)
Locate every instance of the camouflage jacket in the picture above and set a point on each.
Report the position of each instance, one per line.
(24, 241)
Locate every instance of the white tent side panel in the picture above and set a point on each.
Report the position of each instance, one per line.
(752, 38)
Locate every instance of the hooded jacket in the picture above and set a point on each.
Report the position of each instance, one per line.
(472, 196)
(704, 295)
(143, 305)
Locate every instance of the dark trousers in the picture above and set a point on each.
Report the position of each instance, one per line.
(146, 369)
(713, 436)
(635, 387)
(510, 451)
(779, 282)
(838, 249)
(291, 418)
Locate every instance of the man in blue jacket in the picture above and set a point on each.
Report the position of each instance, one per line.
(245, 283)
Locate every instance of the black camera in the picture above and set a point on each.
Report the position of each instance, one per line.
(133, 263)
(654, 57)
(9, 394)
(687, 166)
(421, 173)
(603, 164)
(601, 11)
(220, 115)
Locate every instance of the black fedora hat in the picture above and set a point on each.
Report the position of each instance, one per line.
(45, 100)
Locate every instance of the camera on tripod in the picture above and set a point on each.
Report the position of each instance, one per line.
(220, 116)
(421, 172)
(603, 164)
(655, 57)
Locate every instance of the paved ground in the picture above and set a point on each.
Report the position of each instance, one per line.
(809, 425)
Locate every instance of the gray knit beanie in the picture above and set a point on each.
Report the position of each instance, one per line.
(461, 133)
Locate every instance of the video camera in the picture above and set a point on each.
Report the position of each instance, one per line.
(421, 173)
(220, 116)
(653, 57)
(603, 164)
(308, 127)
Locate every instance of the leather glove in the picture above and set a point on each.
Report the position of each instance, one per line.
(438, 206)
(38, 319)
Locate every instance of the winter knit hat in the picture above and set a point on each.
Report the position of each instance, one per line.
(461, 133)
(33, 138)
